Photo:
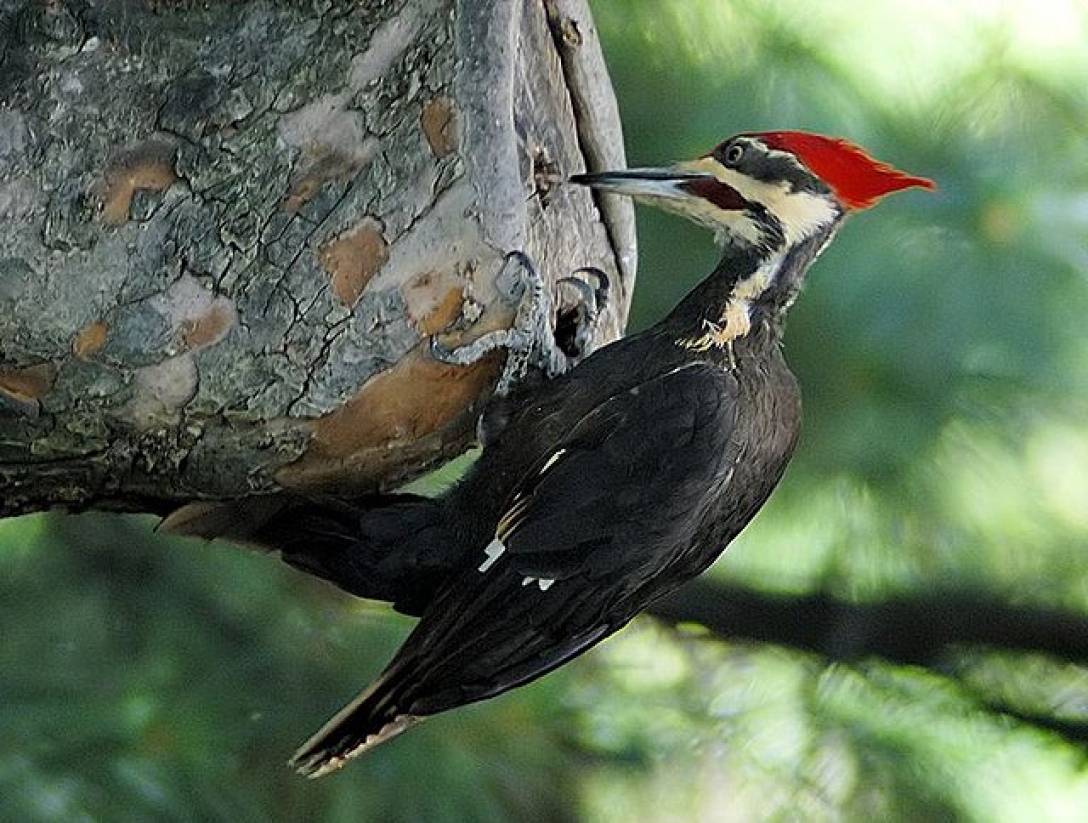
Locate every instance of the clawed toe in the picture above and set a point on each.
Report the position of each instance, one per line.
(601, 289)
(546, 337)
(577, 317)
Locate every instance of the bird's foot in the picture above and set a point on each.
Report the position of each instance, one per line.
(548, 336)
(579, 312)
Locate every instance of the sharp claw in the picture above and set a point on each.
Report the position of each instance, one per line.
(587, 294)
(509, 279)
(533, 341)
(471, 353)
(579, 321)
(604, 284)
(438, 351)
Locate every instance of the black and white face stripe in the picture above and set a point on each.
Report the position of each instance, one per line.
(723, 196)
(782, 208)
(753, 157)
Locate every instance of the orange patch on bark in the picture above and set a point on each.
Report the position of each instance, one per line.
(439, 122)
(308, 182)
(90, 340)
(28, 384)
(210, 327)
(147, 167)
(400, 415)
(445, 312)
(353, 258)
(434, 301)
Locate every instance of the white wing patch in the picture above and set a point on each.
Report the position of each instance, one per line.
(551, 460)
(544, 583)
(494, 550)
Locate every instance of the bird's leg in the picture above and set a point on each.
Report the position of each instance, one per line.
(539, 341)
(579, 312)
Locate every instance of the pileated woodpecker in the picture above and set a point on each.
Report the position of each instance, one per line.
(610, 485)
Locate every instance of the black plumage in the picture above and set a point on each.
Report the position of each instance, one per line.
(648, 464)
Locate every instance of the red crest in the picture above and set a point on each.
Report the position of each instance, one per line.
(857, 179)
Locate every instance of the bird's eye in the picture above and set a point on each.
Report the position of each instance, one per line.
(733, 154)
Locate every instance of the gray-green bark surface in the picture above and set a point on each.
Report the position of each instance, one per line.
(227, 231)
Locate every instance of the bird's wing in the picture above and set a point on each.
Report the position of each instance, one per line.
(624, 488)
(587, 540)
(598, 521)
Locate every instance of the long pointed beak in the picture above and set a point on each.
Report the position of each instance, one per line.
(657, 183)
(683, 188)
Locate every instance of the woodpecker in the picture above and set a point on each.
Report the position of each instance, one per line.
(604, 488)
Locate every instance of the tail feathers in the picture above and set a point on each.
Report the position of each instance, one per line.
(238, 520)
(394, 547)
(368, 721)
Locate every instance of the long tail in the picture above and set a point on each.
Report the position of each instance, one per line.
(483, 635)
(384, 547)
(368, 721)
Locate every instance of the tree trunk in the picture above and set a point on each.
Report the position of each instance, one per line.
(230, 228)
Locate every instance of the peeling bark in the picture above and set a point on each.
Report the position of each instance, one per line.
(228, 229)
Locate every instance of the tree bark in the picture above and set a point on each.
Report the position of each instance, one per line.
(229, 230)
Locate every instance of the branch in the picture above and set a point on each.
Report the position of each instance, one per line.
(909, 629)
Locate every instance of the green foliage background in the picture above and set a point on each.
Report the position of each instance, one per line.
(941, 346)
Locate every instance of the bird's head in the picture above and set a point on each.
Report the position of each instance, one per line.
(773, 199)
(768, 190)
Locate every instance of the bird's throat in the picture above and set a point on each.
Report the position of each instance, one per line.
(735, 322)
(734, 316)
